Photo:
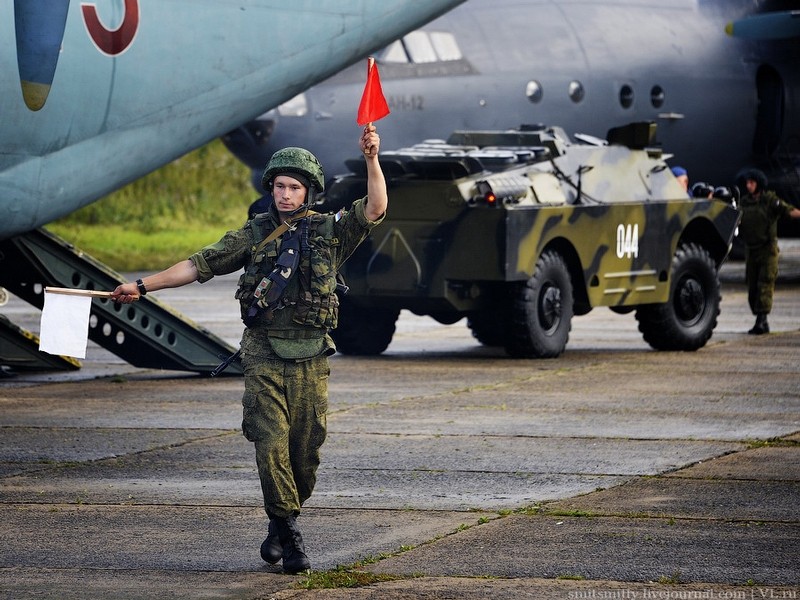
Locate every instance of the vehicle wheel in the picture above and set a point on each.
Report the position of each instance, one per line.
(541, 311)
(363, 332)
(688, 319)
(489, 327)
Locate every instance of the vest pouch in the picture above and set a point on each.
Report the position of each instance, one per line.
(297, 348)
(245, 287)
(322, 270)
(317, 311)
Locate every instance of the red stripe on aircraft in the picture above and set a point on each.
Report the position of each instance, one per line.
(108, 41)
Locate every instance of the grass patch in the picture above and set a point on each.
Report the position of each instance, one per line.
(165, 216)
(570, 513)
(349, 576)
(341, 577)
(128, 249)
(772, 443)
(673, 579)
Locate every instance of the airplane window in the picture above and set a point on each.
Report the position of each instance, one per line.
(575, 91)
(419, 47)
(626, 96)
(445, 45)
(294, 107)
(422, 47)
(534, 91)
(657, 96)
(394, 53)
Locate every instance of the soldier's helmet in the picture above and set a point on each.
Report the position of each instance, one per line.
(701, 190)
(293, 162)
(726, 194)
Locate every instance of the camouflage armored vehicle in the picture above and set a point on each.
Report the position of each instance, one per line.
(518, 231)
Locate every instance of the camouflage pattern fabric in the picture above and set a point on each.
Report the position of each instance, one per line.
(759, 231)
(761, 272)
(760, 214)
(284, 413)
(235, 251)
(285, 358)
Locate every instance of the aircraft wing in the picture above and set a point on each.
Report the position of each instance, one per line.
(107, 92)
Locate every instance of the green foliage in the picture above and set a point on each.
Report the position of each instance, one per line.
(341, 577)
(773, 443)
(673, 579)
(165, 216)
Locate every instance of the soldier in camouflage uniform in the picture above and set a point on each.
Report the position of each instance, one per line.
(761, 209)
(290, 257)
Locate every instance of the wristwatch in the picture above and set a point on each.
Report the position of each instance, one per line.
(142, 289)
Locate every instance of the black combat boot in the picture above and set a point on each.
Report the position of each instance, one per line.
(294, 553)
(271, 549)
(761, 325)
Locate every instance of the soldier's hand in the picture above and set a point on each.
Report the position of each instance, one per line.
(370, 141)
(125, 293)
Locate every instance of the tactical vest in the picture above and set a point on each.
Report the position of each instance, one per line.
(310, 298)
(759, 224)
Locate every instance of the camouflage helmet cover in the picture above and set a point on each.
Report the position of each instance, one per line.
(298, 161)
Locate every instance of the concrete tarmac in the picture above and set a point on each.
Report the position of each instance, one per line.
(450, 470)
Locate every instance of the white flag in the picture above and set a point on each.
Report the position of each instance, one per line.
(65, 324)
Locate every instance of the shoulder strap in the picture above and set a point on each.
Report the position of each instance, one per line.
(281, 229)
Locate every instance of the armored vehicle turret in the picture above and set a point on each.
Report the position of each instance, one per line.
(519, 231)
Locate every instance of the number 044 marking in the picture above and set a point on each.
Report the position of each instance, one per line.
(628, 240)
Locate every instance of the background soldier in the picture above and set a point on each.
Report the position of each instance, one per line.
(290, 257)
(682, 176)
(761, 209)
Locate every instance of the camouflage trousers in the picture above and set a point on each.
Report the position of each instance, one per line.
(761, 271)
(284, 414)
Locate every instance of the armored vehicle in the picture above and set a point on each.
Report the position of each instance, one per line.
(519, 231)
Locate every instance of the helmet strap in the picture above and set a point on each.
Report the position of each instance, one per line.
(311, 195)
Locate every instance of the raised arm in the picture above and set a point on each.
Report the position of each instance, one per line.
(378, 199)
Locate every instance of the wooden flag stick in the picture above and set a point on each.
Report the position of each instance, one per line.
(74, 292)
(370, 64)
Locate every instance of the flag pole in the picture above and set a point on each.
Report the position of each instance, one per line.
(370, 64)
(74, 292)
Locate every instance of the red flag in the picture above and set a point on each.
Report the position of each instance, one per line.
(373, 105)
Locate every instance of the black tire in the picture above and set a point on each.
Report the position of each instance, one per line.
(364, 332)
(687, 320)
(489, 327)
(541, 311)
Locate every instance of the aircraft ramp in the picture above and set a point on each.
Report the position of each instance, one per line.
(147, 334)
